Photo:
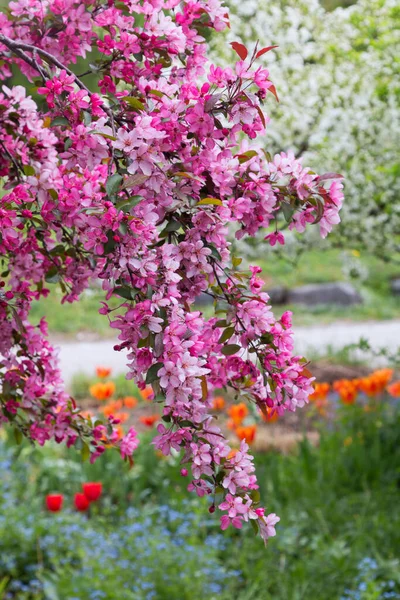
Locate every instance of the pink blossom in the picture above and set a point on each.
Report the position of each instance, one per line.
(137, 184)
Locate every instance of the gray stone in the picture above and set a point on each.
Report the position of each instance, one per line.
(338, 293)
(395, 286)
(278, 295)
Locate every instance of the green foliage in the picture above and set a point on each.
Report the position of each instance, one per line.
(337, 76)
(339, 535)
(332, 4)
(68, 319)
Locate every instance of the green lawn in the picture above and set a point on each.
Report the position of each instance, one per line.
(69, 319)
(326, 266)
(312, 267)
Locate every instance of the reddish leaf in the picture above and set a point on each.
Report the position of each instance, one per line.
(204, 388)
(265, 50)
(306, 373)
(240, 50)
(327, 176)
(260, 112)
(273, 91)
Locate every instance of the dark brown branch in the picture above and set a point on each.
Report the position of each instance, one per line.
(18, 49)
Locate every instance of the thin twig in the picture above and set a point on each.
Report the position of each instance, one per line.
(18, 49)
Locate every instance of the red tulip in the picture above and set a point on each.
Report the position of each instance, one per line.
(54, 502)
(92, 490)
(81, 502)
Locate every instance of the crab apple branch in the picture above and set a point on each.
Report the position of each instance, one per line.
(141, 200)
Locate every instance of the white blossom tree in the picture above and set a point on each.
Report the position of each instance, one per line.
(337, 77)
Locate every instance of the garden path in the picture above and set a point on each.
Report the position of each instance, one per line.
(84, 356)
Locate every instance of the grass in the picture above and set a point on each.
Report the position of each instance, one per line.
(312, 267)
(324, 266)
(377, 308)
(69, 319)
(317, 266)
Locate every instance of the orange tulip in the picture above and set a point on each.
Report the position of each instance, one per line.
(347, 390)
(270, 416)
(149, 420)
(247, 433)
(218, 403)
(130, 402)
(147, 393)
(122, 416)
(103, 372)
(86, 414)
(238, 412)
(394, 389)
(375, 383)
(102, 391)
(321, 391)
(108, 409)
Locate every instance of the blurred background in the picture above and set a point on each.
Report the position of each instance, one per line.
(332, 471)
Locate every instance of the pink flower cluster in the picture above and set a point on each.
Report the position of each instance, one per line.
(134, 184)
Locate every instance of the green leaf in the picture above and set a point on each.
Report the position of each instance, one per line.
(3, 585)
(134, 103)
(267, 156)
(255, 496)
(247, 156)
(59, 121)
(110, 244)
(123, 228)
(107, 136)
(137, 179)
(214, 201)
(215, 253)
(267, 338)
(170, 227)
(52, 275)
(227, 334)
(152, 373)
(113, 184)
(230, 349)
(157, 93)
(126, 205)
(254, 526)
(185, 423)
(144, 342)
(85, 452)
(125, 292)
(18, 436)
(87, 117)
(288, 211)
(57, 250)
(221, 323)
(29, 170)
